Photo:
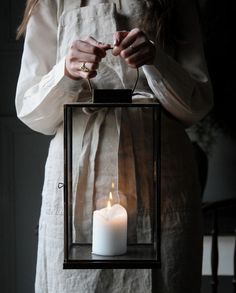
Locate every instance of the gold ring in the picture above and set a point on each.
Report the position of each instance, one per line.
(84, 68)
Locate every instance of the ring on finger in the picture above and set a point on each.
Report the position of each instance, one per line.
(84, 68)
(132, 48)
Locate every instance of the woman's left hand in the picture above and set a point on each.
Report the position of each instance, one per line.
(134, 47)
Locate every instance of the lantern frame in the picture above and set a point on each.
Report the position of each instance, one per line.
(79, 256)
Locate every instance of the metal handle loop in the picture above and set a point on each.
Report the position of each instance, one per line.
(135, 84)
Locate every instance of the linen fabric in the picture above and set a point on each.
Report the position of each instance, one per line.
(178, 80)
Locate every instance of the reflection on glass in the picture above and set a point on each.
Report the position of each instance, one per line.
(112, 152)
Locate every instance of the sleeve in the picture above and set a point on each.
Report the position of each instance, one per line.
(182, 83)
(42, 87)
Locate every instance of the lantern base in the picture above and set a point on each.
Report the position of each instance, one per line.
(137, 256)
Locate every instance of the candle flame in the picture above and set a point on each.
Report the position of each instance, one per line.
(110, 196)
(109, 200)
(112, 185)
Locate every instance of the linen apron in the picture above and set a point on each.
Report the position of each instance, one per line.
(102, 134)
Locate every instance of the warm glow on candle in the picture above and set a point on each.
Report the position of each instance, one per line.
(109, 204)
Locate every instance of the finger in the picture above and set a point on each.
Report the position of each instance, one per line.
(95, 42)
(87, 75)
(138, 59)
(86, 47)
(84, 57)
(127, 41)
(87, 66)
(138, 63)
(138, 45)
(82, 71)
(75, 66)
(90, 66)
(76, 73)
(102, 46)
(118, 37)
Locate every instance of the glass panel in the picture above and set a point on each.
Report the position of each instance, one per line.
(113, 194)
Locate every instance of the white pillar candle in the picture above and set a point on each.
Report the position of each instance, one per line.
(110, 231)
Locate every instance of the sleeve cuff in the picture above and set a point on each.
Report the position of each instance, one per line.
(166, 69)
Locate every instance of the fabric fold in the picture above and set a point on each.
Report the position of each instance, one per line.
(84, 199)
(116, 147)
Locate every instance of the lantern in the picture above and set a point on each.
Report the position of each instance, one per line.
(112, 182)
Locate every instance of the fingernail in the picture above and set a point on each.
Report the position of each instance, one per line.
(115, 41)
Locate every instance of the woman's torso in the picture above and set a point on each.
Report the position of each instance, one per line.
(100, 19)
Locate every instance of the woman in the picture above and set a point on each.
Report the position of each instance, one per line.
(66, 43)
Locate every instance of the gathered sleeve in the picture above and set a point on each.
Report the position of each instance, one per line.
(182, 83)
(42, 87)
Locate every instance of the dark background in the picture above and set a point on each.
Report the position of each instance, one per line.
(23, 152)
(22, 156)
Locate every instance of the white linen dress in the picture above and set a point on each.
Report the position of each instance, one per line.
(179, 80)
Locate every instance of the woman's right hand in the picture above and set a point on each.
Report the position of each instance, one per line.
(83, 58)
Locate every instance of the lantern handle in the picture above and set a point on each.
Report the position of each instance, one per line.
(135, 84)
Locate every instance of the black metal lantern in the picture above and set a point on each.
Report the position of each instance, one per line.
(112, 183)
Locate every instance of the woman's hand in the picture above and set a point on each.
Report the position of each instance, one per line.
(134, 47)
(83, 58)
